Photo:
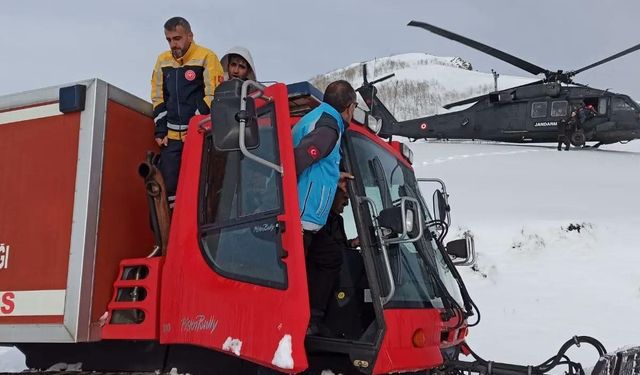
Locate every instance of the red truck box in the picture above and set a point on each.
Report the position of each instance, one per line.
(71, 207)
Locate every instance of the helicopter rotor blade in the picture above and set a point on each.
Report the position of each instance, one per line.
(382, 79)
(515, 61)
(612, 57)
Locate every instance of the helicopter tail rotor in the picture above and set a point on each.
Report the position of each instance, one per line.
(377, 80)
(369, 94)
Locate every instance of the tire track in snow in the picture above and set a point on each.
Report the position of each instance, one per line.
(476, 155)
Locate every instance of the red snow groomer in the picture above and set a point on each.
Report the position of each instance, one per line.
(224, 291)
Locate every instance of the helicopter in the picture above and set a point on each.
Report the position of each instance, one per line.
(528, 113)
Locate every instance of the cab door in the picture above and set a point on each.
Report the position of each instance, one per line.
(234, 280)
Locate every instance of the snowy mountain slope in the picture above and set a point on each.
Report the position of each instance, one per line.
(536, 282)
(423, 83)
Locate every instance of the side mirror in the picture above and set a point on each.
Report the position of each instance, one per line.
(458, 248)
(226, 115)
(391, 218)
(462, 251)
(441, 206)
(403, 220)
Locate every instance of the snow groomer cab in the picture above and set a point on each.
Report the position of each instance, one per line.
(236, 240)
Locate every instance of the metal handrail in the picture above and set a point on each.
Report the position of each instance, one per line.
(243, 123)
(444, 192)
(387, 262)
(404, 238)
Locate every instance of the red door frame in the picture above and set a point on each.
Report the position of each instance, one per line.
(201, 307)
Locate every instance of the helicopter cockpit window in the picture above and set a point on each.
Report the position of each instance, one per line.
(602, 105)
(539, 109)
(619, 104)
(559, 108)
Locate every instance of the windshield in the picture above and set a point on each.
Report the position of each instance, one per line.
(385, 179)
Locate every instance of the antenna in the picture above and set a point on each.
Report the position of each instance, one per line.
(495, 79)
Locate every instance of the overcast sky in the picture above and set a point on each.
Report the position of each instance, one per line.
(48, 43)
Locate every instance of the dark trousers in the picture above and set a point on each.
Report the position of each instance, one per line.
(169, 166)
(564, 138)
(324, 261)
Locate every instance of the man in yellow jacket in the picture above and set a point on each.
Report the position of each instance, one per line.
(184, 79)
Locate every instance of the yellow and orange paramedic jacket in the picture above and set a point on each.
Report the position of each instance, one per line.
(182, 88)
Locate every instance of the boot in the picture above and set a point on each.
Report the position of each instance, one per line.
(317, 316)
(317, 327)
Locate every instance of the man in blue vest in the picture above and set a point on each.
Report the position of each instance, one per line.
(316, 140)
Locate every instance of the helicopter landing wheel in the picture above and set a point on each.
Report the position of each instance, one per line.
(578, 139)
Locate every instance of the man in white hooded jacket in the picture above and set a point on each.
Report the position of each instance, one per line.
(238, 63)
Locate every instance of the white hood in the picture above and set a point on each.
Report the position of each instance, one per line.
(245, 54)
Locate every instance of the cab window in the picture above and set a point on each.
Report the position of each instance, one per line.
(538, 109)
(384, 180)
(240, 201)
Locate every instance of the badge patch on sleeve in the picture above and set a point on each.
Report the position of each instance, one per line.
(313, 152)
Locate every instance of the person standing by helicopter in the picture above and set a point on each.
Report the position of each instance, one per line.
(584, 113)
(565, 130)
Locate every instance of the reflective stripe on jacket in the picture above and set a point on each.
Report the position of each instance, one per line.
(182, 88)
(317, 184)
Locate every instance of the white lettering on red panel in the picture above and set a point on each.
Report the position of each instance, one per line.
(4, 256)
(32, 302)
(6, 303)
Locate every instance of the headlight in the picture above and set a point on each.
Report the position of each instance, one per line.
(409, 220)
(374, 124)
(360, 116)
(407, 153)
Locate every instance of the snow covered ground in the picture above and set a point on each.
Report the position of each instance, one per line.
(11, 360)
(537, 283)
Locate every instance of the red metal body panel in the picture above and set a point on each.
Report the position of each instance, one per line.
(397, 352)
(201, 307)
(123, 228)
(38, 173)
(67, 236)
